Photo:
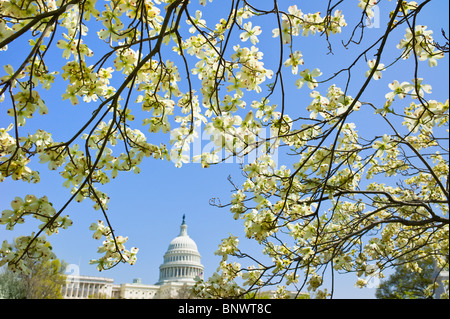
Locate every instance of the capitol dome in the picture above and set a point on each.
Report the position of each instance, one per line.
(181, 260)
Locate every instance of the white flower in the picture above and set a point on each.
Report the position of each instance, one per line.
(308, 78)
(198, 21)
(383, 145)
(398, 89)
(431, 57)
(417, 88)
(361, 283)
(377, 73)
(294, 60)
(251, 33)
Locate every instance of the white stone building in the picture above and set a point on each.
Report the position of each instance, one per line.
(180, 266)
(83, 287)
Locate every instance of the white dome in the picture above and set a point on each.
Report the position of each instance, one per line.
(181, 260)
(183, 241)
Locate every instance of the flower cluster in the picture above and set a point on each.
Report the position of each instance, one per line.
(5, 32)
(332, 105)
(422, 44)
(14, 157)
(418, 117)
(295, 22)
(112, 247)
(251, 72)
(219, 285)
(39, 208)
(228, 246)
(32, 246)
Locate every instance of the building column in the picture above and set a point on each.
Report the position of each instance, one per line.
(69, 290)
(77, 294)
(66, 289)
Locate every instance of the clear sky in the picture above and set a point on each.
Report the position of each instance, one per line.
(148, 207)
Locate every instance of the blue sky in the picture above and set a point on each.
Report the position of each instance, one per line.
(148, 207)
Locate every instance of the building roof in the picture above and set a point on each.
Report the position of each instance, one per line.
(182, 241)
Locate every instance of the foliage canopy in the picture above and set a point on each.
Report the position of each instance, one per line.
(45, 280)
(325, 193)
(406, 284)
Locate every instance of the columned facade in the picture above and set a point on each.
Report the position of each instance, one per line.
(83, 287)
(168, 272)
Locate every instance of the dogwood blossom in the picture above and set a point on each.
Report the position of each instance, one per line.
(308, 78)
(367, 6)
(377, 73)
(295, 59)
(383, 145)
(398, 89)
(198, 21)
(250, 33)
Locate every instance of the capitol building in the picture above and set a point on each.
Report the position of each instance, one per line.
(180, 266)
